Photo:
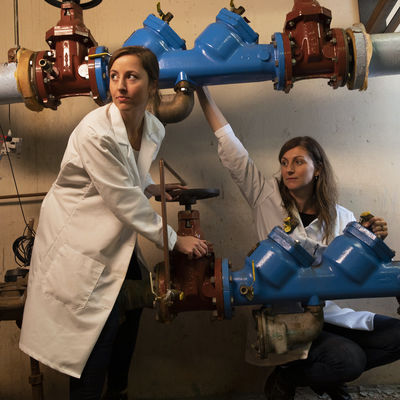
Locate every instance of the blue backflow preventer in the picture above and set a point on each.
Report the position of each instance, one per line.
(356, 264)
(227, 51)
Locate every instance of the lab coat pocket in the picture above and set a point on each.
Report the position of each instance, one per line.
(71, 277)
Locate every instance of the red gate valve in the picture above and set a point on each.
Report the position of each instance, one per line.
(312, 48)
(64, 70)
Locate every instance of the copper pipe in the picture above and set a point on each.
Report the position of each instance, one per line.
(15, 196)
(175, 174)
(165, 230)
(16, 24)
(36, 380)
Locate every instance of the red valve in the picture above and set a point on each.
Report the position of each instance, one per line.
(64, 70)
(312, 48)
(196, 284)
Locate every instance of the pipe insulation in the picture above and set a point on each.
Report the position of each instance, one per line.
(8, 84)
(386, 54)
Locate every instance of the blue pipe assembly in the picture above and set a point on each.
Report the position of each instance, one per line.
(226, 52)
(356, 264)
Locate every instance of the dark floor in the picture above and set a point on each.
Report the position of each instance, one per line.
(357, 393)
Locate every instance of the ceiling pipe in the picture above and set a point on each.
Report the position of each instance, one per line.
(9, 93)
(386, 54)
(226, 52)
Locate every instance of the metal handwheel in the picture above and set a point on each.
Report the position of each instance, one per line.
(187, 197)
(85, 6)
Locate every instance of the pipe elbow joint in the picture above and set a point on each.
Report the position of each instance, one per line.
(176, 107)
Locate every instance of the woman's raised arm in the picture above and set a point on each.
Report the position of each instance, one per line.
(211, 111)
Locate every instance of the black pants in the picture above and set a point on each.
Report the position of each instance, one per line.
(341, 355)
(112, 353)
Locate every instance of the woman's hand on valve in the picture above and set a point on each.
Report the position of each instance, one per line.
(378, 226)
(172, 190)
(191, 246)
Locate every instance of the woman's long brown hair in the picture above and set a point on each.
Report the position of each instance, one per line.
(325, 191)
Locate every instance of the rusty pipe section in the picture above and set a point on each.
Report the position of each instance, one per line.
(312, 49)
(176, 107)
(73, 66)
(196, 284)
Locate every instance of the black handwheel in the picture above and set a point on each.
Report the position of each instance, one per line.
(190, 196)
(85, 6)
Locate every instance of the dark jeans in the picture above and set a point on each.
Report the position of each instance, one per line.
(112, 352)
(341, 355)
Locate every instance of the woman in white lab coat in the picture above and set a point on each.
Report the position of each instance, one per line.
(88, 227)
(303, 199)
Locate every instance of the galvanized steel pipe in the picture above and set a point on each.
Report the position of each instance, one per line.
(386, 54)
(8, 84)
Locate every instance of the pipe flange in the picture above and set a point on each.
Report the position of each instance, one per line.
(184, 86)
(341, 59)
(23, 76)
(219, 287)
(228, 309)
(98, 58)
(362, 54)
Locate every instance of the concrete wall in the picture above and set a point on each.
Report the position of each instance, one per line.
(192, 356)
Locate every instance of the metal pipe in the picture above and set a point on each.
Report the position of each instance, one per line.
(8, 85)
(36, 380)
(15, 196)
(176, 107)
(386, 54)
(175, 174)
(165, 227)
(16, 24)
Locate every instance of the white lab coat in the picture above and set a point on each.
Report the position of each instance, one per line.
(87, 231)
(265, 200)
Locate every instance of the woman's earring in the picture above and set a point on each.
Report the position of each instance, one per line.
(316, 177)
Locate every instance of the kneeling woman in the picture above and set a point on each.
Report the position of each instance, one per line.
(88, 227)
(305, 192)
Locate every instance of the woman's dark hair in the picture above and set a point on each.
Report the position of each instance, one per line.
(149, 64)
(325, 190)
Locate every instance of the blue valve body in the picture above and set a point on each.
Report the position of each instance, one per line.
(356, 264)
(227, 51)
(101, 73)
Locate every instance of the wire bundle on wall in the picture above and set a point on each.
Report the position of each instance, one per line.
(22, 246)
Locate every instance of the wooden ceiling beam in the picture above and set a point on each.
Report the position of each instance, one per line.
(394, 22)
(377, 20)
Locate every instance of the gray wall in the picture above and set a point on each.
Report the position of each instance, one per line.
(193, 356)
